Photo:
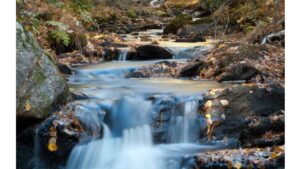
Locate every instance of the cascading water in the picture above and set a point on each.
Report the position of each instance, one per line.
(122, 54)
(134, 150)
(130, 107)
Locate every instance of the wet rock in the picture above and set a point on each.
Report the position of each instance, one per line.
(149, 52)
(238, 72)
(25, 148)
(267, 158)
(192, 69)
(58, 134)
(111, 53)
(40, 86)
(192, 38)
(244, 112)
(159, 69)
(64, 68)
(78, 96)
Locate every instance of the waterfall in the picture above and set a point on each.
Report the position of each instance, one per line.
(122, 54)
(129, 112)
(184, 127)
(134, 150)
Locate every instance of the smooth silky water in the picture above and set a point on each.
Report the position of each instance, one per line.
(127, 141)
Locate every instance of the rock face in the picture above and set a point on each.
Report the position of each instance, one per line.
(148, 52)
(247, 113)
(39, 84)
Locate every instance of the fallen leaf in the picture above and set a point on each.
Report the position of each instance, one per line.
(52, 147)
(208, 104)
(27, 106)
(237, 165)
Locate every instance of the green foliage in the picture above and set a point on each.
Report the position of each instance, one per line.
(58, 25)
(86, 17)
(131, 14)
(182, 19)
(60, 36)
(29, 20)
(81, 5)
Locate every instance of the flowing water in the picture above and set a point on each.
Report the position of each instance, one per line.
(131, 109)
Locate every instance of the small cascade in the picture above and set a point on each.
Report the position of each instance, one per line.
(184, 127)
(129, 112)
(122, 54)
(134, 150)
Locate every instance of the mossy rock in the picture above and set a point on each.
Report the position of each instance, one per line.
(40, 87)
(177, 23)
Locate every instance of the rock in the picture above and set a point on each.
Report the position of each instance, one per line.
(145, 38)
(176, 24)
(148, 52)
(238, 72)
(159, 69)
(111, 53)
(192, 38)
(267, 158)
(150, 26)
(192, 69)
(40, 86)
(250, 112)
(75, 123)
(199, 28)
(64, 68)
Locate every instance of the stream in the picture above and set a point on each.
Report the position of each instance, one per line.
(146, 123)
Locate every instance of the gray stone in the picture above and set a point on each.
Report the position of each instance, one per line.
(39, 84)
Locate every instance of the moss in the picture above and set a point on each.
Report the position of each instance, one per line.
(38, 75)
(131, 14)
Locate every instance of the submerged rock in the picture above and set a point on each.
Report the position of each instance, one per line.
(148, 52)
(40, 86)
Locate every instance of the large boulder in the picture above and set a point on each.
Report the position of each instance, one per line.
(251, 114)
(40, 86)
(148, 52)
(176, 24)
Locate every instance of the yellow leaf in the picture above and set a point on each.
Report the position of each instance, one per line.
(274, 155)
(237, 165)
(208, 104)
(208, 116)
(27, 106)
(52, 147)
